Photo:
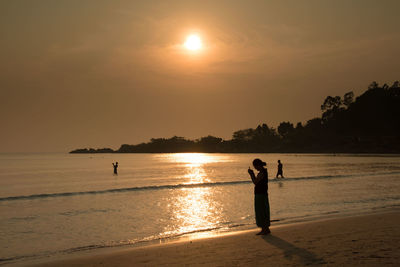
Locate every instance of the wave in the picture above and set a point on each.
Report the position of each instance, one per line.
(177, 186)
(120, 190)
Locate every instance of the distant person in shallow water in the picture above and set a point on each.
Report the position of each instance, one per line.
(115, 167)
(280, 170)
(261, 202)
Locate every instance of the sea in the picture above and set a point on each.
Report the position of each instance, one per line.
(61, 204)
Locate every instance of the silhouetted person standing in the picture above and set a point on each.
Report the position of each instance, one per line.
(280, 170)
(261, 202)
(115, 167)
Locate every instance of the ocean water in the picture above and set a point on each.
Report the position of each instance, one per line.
(52, 204)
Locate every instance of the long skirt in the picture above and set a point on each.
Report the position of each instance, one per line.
(261, 205)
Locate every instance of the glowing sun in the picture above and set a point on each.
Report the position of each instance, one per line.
(193, 42)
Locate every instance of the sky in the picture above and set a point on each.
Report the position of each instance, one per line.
(97, 73)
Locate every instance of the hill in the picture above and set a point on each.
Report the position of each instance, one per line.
(368, 124)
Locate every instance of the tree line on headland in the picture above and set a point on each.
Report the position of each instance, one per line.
(369, 123)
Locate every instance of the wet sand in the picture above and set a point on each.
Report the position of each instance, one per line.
(366, 240)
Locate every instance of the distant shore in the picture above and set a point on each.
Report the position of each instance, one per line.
(367, 124)
(363, 240)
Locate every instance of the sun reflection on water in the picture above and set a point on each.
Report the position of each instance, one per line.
(195, 209)
(194, 159)
(194, 163)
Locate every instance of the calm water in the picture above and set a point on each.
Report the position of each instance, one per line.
(54, 204)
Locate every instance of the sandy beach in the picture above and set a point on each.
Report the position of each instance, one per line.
(364, 240)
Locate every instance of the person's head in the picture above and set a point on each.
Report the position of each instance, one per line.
(279, 161)
(116, 163)
(259, 164)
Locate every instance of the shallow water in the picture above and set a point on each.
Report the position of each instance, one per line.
(62, 203)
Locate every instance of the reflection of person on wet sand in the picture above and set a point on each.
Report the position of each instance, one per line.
(280, 169)
(115, 167)
(261, 203)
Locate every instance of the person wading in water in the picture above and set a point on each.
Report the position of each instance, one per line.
(261, 202)
(115, 167)
(280, 169)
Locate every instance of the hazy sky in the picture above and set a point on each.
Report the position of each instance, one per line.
(96, 73)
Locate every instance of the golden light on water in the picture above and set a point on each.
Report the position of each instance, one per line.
(196, 175)
(195, 209)
(194, 165)
(194, 159)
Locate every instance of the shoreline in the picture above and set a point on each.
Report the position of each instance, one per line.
(225, 242)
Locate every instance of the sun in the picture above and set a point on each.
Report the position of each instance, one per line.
(193, 42)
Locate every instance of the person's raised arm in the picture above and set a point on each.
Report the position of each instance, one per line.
(255, 178)
(258, 178)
